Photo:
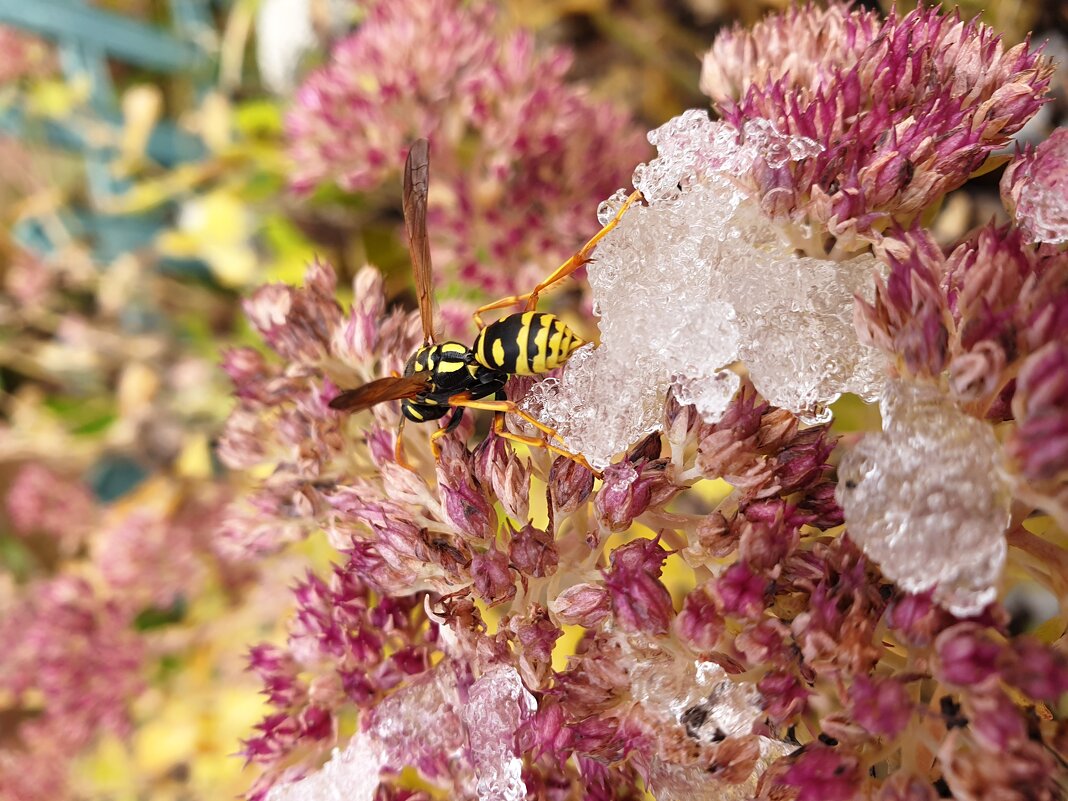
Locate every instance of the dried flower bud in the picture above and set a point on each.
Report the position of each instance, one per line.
(906, 787)
(536, 636)
(1037, 669)
(1033, 190)
(967, 658)
(734, 759)
(908, 317)
(741, 591)
(1039, 445)
(824, 774)
(699, 624)
(629, 489)
(764, 643)
(492, 577)
(977, 374)
(640, 601)
(247, 370)
(467, 508)
(570, 484)
(497, 467)
(546, 733)
(583, 605)
(882, 706)
(995, 720)
(533, 552)
(764, 545)
(820, 508)
(784, 695)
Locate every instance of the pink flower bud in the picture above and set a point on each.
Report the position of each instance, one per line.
(699, 625)
(882, 706)
(629, 489)
(639, 600)
(1040, 443)
(1039, 670)
(995, 720)
(570, 484)
(466, 506)
(533, 552)
(824, 774)
(583, 605)
(492, 577)
(966, 656)
(1034, 187)
(741, 591)
(784, 695)
(498, 468)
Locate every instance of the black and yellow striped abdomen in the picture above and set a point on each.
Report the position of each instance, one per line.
(525, 344)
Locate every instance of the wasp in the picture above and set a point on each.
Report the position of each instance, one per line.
(445, 377)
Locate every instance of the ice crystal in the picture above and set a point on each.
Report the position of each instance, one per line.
(699, 279)
(350, 775)
(728, 707)
(926, 500)
(420, 725)
(713, 708)
(692, 782)
(496, 706)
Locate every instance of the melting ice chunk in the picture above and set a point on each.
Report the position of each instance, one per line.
(926, 499)
(349, 775)
(497, 705)
(697, 280)
(712, 707)
(464, 735)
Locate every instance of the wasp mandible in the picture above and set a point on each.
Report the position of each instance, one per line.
(449, 376)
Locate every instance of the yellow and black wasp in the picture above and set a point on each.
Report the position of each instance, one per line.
(449, 376)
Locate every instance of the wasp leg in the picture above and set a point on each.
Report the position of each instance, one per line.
(454, 421)
(506, 406)
(561, 272)
(457, 416)
(398, 448)
(503, 407)
(534, 442)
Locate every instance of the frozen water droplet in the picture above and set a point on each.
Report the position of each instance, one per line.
(927, 501)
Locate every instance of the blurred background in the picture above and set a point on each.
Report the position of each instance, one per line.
(159, 159)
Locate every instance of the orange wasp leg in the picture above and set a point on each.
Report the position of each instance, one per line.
(534, 442)
(508, 407)
(561, 272)
(398, 448)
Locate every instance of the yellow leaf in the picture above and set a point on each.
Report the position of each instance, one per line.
(195, 459)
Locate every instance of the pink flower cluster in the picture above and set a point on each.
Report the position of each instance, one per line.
(519, 156)
(791, 668)
(992, 317)
(906, 109)
(83, 625)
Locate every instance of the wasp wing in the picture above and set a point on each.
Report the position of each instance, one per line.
(416, 186)
(381, 390)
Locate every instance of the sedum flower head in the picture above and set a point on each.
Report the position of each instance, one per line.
(906, 109)
(1034, 187)
(520, 155)
(807, 660)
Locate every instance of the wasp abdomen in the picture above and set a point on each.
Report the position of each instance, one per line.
(525, 344)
